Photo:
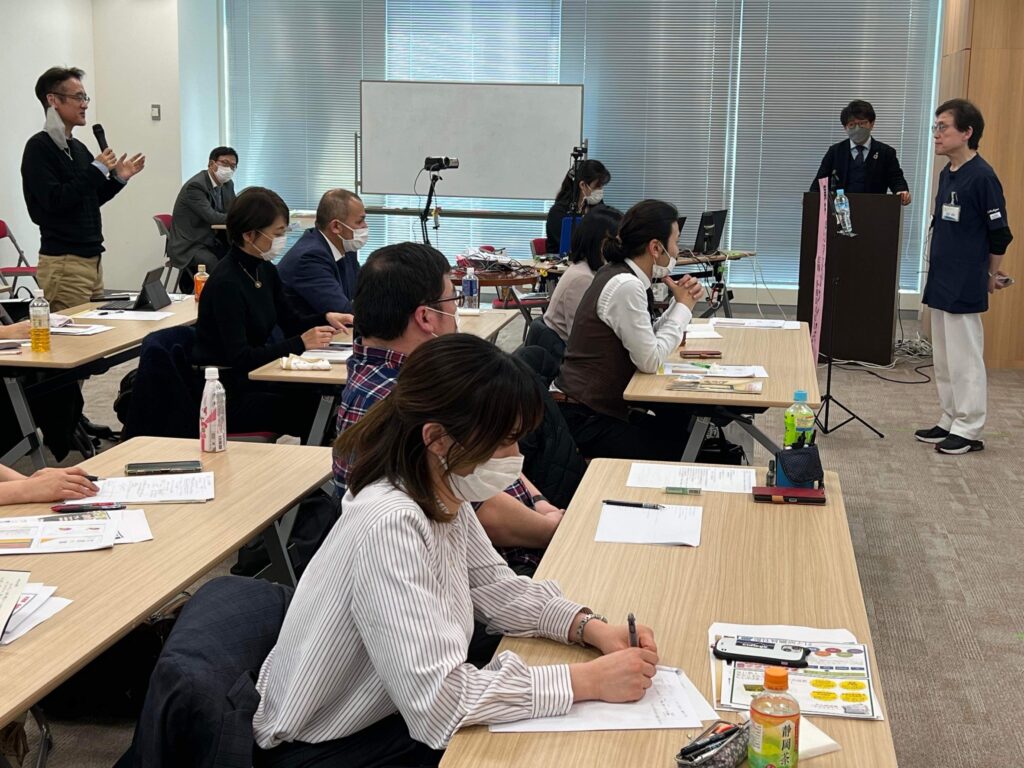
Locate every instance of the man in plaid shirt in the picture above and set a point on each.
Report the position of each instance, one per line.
(403, 298)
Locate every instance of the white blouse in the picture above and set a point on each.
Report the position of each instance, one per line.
(381, 622)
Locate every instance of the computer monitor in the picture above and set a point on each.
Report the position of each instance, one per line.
(709, 232)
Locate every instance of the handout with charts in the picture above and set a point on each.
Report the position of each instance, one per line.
(56, 533)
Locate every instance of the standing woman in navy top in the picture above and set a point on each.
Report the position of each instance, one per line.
(970, 235)
(243, 302)
(590, 184)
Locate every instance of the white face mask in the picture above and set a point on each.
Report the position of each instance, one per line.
(224, 174)
(359, 238)
(54, 127)
(449, 314)
(595, 197)
(486, 480)
(659, 271)
(277, 246)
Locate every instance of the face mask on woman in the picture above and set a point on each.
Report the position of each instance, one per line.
(486, 480)
(277, 245)
(595, 196)
(659, 271)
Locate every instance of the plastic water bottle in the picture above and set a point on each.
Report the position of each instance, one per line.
(842, 203)
(199, 281)
(471, 289)
(774, 723)
(39, 318)
(213, 419)
(799, 421)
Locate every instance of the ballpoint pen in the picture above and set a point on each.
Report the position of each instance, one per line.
(633, 641)
(637, 504)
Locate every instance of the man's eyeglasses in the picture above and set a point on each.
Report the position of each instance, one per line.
(227, 164)
(458, 298)
(940, 127)
(81, 98)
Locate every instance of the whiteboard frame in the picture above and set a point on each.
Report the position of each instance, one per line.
(361, 135)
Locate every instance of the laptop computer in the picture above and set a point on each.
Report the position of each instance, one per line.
(152, 297)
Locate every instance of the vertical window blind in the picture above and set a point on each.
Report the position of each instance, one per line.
(707, 104)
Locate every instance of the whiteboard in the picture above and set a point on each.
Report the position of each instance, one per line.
(513, 140)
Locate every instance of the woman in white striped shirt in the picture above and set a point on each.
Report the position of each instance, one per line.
(370, 667)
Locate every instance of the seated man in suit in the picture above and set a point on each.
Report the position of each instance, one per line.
(319, 272)
(201, 203)
(861, 163)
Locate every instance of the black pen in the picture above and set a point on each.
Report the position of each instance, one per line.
(91, 478)
(637, 504)
(633, 641)
(699, 747)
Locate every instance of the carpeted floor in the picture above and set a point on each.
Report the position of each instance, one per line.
(938, 542)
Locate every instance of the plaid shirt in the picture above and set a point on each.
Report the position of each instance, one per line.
(372, 373)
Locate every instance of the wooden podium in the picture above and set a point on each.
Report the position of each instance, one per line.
(867, 267)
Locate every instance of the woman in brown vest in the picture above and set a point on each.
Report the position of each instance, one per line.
(614, 334)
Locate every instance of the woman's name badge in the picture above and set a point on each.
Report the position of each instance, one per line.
(950, 212)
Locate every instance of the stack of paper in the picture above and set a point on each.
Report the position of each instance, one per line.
(330, 355)
(300, 363)
(671, 702)
(836, 682)
(698, 383)
(80, 330)
(669, 524)
(153, 489)
(722, 479)
(739, 322)
(697, 368)
(34, 604)
(72, 532)
(124, 314)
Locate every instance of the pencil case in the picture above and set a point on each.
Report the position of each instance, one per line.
(729, 753)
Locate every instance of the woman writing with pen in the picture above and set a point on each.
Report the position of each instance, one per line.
(50, 484)
(370, 667)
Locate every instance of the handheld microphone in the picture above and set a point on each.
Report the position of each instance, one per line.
(440, 163)
(101, 136)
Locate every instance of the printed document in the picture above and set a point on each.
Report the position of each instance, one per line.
(123, 314)
(56, 533)
(153, 489)
(667, 704)
(723, 479)
(635, 525)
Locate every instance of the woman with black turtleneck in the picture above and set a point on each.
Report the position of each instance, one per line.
(243, 303)
(593, 177)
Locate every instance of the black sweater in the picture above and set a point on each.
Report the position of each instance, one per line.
(236, 319)
(64, 196)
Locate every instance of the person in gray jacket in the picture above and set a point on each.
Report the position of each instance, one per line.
(202, 202)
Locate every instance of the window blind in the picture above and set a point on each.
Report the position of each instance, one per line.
(705, 104)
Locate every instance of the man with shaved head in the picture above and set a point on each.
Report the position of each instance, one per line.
(319, 272)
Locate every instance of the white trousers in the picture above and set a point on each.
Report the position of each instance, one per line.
(958, 346)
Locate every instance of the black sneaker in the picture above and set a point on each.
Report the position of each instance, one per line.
(955, 444)
(933, 435)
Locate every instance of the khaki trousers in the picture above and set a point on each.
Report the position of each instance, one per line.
(68, 281)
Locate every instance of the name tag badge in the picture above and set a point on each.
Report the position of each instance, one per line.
(950, 212)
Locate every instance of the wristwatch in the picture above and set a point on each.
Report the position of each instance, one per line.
(538, 497)
(583, 623)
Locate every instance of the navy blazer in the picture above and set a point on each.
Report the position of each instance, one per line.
(314, 282)
(882, 167)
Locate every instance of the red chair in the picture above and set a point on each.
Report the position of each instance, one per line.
(163, 226)
(539, 246)
(21, 269)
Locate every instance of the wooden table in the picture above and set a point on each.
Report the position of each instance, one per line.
(787, 357)
(73, 358)
(810, 579)
(486, 325)
(113, 590)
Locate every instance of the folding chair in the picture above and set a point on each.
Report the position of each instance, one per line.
(163, 226)
(21, 269)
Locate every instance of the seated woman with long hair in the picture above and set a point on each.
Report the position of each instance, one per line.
(370, 668)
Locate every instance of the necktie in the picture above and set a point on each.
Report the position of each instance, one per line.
(860, 153)
(218, 200)
(650, 306)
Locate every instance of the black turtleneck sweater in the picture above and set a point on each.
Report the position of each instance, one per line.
(236, 319)
(63, 196)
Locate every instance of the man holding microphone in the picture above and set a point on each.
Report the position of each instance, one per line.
(64, 187)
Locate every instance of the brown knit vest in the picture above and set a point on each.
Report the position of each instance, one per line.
(596, 368)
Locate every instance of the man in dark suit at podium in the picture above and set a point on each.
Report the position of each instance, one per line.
(861, 163)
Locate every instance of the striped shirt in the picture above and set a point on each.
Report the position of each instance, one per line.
(381, 623)
(372, 374)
